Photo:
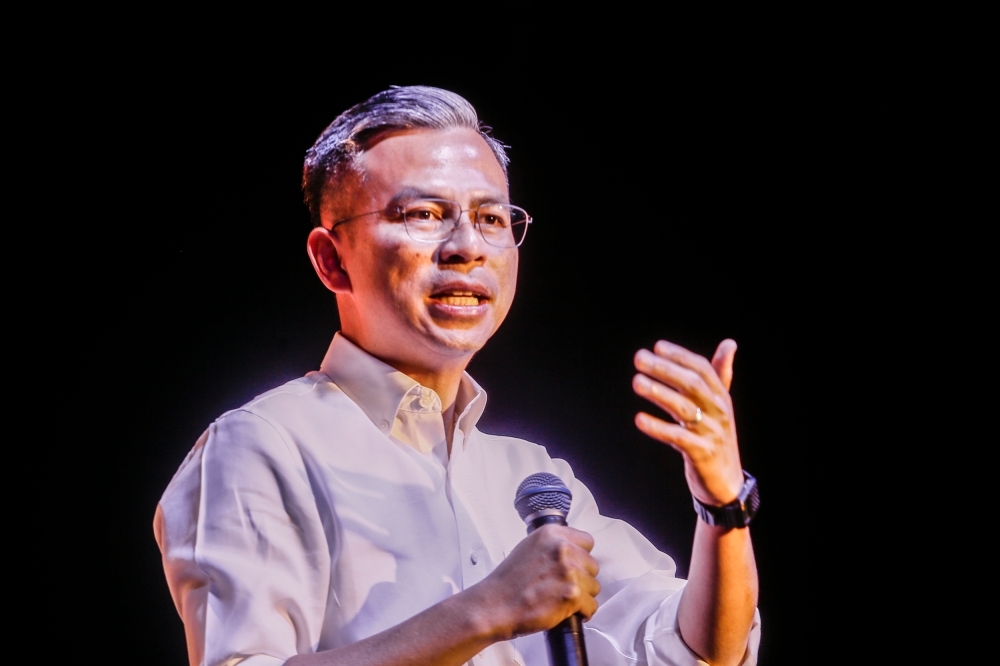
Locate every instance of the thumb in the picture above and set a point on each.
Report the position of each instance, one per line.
(723, 361)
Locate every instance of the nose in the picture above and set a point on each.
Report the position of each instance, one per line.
(465, 244)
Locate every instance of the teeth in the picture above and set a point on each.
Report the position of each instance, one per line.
(460, 297)
(459, 300)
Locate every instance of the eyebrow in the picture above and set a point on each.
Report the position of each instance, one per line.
(408, 194)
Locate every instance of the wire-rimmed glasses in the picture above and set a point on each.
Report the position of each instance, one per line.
(434, 220)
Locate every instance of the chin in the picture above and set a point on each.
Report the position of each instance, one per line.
(459, 342)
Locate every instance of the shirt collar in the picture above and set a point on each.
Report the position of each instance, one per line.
(379, 389)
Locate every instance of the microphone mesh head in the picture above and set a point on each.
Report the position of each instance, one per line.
(542, 491)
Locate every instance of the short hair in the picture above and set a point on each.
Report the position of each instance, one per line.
(399, 108)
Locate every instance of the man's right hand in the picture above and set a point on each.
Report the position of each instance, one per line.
(549, 576)
(546, 578)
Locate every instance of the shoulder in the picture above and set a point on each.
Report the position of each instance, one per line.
(518, 454)
(295, 399)
(299, 413)
(264, 435)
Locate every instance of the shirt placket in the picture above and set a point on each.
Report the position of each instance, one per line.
(476, 560)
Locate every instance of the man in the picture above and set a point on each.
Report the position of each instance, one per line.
(357, 516)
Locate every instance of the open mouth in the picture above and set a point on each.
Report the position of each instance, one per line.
(459, 297)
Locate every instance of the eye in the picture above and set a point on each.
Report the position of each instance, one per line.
(423, 212)
(493, 216)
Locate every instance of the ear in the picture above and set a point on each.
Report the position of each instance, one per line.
(326, 261)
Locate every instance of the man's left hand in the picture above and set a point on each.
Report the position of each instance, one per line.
(682, 383)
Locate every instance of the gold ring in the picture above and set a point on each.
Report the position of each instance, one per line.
(695, 421)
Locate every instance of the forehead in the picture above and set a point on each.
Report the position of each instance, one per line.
(452, 164)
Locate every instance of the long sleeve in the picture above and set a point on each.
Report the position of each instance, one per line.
(636, 621)
(244, 549)
(301, 523)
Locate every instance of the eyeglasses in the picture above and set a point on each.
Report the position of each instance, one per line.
(435, 220)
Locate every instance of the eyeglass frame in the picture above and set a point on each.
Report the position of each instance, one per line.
(399, 209)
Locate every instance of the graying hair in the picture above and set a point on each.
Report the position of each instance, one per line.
(399, 108)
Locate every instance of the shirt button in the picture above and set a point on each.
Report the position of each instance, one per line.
(385, 424)
(425, 401)
(474, 557)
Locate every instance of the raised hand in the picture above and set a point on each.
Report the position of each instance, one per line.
(695, 393)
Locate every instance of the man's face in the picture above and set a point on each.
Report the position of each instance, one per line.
(417, 302)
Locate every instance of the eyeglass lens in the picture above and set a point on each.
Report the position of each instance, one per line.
(501, 225)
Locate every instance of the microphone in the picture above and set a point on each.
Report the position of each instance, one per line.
(542, 499)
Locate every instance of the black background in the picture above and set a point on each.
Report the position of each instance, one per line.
(721, 201)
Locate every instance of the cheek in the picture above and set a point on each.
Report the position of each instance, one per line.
(507, 275)
(510, 277)
(402, 272)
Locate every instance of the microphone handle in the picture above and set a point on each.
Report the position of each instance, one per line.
(566, 644)
(565, 640)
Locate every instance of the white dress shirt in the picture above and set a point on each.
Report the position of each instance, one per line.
(328, 510)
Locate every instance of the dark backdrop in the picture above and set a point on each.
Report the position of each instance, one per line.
(684, 207)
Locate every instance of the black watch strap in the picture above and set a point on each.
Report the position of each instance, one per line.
(737, 513)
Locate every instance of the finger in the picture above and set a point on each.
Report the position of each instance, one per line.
(676, 436)
(593, 586)
(688, 359)
(680, 408)
(723, 361)
(588, 607)
(579, 549)
(580, 538)
(589, 564)
(577, 543)
(686, 381)
(585, 589)
(589, 586)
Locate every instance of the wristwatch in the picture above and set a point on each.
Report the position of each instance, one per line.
(737, 513)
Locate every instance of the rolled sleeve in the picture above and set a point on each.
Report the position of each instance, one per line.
(245, 554)
(636, 622)
(665, 647)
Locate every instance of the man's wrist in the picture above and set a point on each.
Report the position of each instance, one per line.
(736, 514)
(483, 614)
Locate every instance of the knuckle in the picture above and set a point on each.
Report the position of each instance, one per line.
(693, 383)
(572, 593)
